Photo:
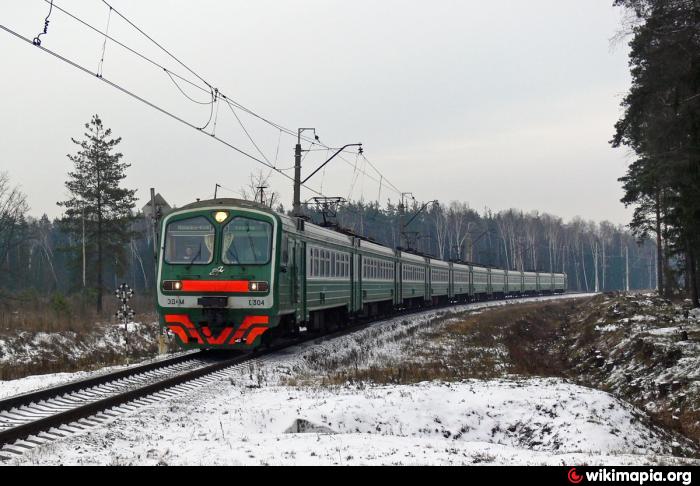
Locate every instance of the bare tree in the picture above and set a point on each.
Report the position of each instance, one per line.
(461, 222)
(256, 189)
(440, 220)
(13, 208)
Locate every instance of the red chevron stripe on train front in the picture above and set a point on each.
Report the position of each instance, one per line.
(248, 322)
(255, 325)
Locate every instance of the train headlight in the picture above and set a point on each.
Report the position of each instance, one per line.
(258, 286)
(172, 285)
(220, 216)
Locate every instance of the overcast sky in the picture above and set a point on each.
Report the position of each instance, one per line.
(498, 104)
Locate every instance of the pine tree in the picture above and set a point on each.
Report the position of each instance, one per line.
(661, 125)
(99, 212)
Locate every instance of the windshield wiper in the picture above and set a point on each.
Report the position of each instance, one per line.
(231, 251)
(199, 252)
(252, 246)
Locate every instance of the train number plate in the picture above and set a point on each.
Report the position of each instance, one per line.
(213, 302)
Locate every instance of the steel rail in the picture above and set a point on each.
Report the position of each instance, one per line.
(44, 394)
(11, 435)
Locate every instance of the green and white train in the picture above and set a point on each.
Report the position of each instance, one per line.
(234, 274)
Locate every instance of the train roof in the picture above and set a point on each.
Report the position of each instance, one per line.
(334, 233)
(376, 248)
(226, 202)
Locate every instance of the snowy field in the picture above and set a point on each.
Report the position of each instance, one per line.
(498, 422)
(37, 382)
(103, 344)
(254, 416)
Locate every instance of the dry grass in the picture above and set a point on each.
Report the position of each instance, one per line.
(630, 363)
(68, 351)
(52, 334)
(58, 313)
(550, 339)
(477, 345)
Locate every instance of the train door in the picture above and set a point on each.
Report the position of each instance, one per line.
(399, 283)
(472, 290)
(357, 259)
(298, 279)
(489, 285)
(428, 282)
(353, 284)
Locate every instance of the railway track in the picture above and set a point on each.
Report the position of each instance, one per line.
(42, 413)
(35, 418)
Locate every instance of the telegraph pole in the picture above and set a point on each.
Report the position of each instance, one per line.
(261, 190)
(402, 216)
(296, 205)
(297, 168)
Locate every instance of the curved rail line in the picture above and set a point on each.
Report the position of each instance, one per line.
(32, 419)
(37, 396)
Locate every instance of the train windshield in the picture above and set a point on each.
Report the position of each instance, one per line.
(190, 241)
(246, 242)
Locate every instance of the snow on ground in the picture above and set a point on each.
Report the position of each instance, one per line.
(25, 353)
(535, 421)
(253, 417)
(651, 358)
(10, 388)
(388, 331)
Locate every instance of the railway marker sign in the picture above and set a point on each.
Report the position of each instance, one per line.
(125, 313)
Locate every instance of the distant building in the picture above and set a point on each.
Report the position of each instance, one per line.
(162, 207)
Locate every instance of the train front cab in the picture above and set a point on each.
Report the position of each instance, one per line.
(216, 280)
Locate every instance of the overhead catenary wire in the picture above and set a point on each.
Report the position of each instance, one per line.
(216, 119)
(150, 104)
(208, 88)
(170, 75)
(276, 125)
(124, 46)
(156, 43)
(248, 134)
(104, 45)
(37, 40)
